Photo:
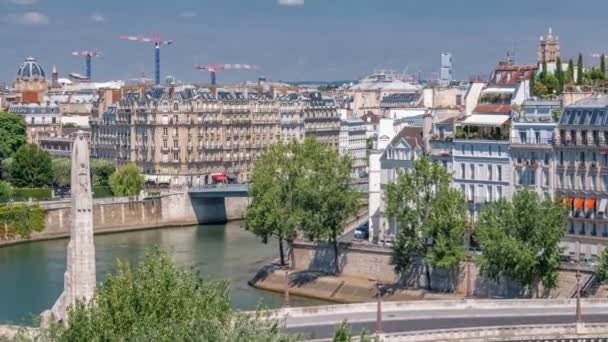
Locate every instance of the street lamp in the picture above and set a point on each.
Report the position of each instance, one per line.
(286, 290)
(579, 319)
(379, 329)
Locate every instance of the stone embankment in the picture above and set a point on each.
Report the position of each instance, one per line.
(112, 215)
(363, 265)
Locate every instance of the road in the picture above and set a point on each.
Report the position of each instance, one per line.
(323, 326)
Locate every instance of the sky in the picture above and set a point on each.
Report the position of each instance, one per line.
(292, 40)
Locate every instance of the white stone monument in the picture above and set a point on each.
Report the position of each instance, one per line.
(79, 278)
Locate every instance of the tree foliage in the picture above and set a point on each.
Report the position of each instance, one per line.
(301, 187)
(159, 301)
(274, 210)
(21, 220)
(579, 69)
(62, 172)
(12, 134)
(432, 218)
(520, 239)
(31, 167)
(101, 170)
(601, 272)
(127, 181)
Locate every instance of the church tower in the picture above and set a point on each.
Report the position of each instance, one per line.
(548, 48)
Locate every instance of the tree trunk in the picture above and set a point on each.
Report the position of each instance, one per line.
(336, 257)
(281, 253)
(427, 271)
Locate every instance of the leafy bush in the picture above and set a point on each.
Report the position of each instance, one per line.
(159, 301)
(24, 194)
(31, 167)
(127, 181)
(102, 192)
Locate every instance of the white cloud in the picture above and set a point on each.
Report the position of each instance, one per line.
(292, 3)
(98, 18)
(23, 2)
(29, 18)
(188, 14)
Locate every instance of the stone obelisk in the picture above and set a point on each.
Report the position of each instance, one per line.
(79, 278)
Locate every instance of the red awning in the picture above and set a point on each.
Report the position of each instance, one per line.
(569, 201)
(579, 203)
(218, 178)
(590, 203)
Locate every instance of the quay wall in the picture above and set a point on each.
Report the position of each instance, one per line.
(363, 260)
(124, 214)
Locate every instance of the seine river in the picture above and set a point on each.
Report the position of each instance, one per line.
(31, 275)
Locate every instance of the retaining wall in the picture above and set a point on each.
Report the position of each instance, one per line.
(124, 214)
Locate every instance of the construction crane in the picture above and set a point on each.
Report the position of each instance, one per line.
(88, 55)
(157, 43)
(213, 68)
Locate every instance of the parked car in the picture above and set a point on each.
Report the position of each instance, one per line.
(362, 232)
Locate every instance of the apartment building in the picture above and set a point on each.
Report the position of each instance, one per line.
(42, 120)
(532, 155)
(581, 157)
(195, 136)
(321, 119)
(353, 142)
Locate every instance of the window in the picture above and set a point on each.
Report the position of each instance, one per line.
(175, 106)
(532, 176)
(582, 157)
(489, 172)
(175, 169)
(165, 130)
(522, 137)
(462, 171)
(489, 193)
(165, 107)
(546, 177)
(175, 156)
(537, 137)
(571, 176)
(490, 150)
(498, 192)
(165, 143)
(583, 182)
(593, 183)
(462, 146)
(547, 158)
(471, 148)
(499, 167)
(175, 143)
(471, 192)
(472, 171)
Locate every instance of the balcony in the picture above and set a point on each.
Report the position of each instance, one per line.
(531, 141)
(482, 133)
(580, 142)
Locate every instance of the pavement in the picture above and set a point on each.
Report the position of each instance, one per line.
(323, 325)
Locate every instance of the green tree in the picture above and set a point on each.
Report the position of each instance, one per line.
(12, 134)
(579, 69)
(601, 271)
(603, 65)
(273, 210)
(342, 334)
(159, 301)
(21, 219)
(533, 85)
(127, 181)
(520, 240)
(559, 75)
(570, 72)
(101, 170)
(326, 195)
(62, 172)
(431, 218)
(31, 167)
(6, 190)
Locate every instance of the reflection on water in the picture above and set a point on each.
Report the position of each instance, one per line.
(32, 274)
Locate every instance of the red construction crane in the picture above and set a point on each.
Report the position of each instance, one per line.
(157, 43)
(87, 59)
(213, 68)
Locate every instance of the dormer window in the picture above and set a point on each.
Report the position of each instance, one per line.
(175, 107)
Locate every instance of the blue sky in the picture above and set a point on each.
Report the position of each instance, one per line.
(292, 39)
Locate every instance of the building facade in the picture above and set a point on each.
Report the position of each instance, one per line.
(532, 154)
(42, 120)
(581, 157)
(193, 136)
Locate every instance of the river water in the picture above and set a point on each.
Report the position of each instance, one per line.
(31, 274)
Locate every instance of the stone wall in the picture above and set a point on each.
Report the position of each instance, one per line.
(373, 262)
(124, 214)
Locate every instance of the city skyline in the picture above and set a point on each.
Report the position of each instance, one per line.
(302, 40)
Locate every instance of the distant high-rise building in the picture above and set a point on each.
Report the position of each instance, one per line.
(548, 48)
(445, 77)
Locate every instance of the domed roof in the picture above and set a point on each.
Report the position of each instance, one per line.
(30, 68)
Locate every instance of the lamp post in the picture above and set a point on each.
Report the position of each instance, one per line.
(286, 290)
(379, 329)
(579, 319)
